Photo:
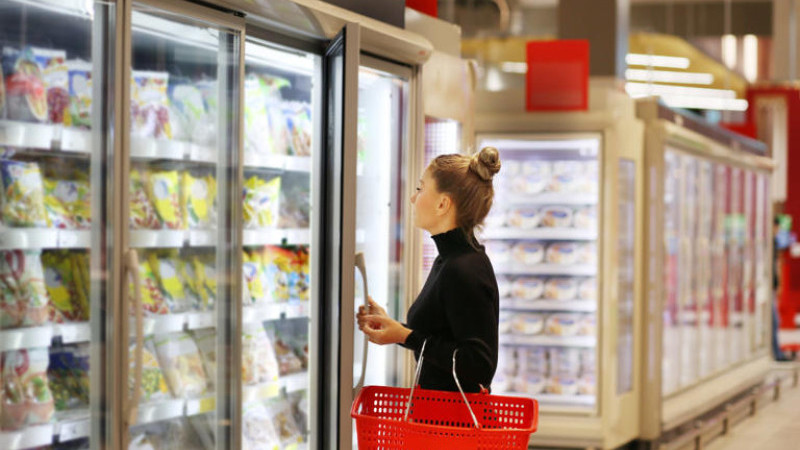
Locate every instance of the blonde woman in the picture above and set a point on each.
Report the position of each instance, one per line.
(458, 305)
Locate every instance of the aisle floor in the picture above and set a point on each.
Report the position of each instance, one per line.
(776, 427)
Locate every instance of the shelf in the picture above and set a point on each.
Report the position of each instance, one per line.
(42, 336)
(549, 305)
(278, 162)
(548, 341)
(549, 269)
(48, 137)
(35, 436)
(275, 311)
(151, 148)
(39, 238)
(175, 322)
(157, 238)
(160, 410)
(551, 198)
(290, 383)
(71, 425)
(276, 236)
(556, 399)
(543, 233)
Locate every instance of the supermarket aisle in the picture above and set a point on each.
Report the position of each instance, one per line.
(774, 428)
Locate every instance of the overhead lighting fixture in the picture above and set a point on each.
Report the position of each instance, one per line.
(729, 50)
(668, 76)
(693, 102)
(637, 90)
(514, 67)
(750, 57)
(671, 62)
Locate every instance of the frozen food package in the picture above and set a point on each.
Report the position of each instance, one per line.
(565, 360)
(258, 428)
(26, 396)
(278, 126)
(199, 195)
(65, 286)
(259, 362)
(586, 218)
(499, 252)
(527, 288)
(528, 253)
(504, 322)
(285, 352)
(23, 194)
(261, 202)
(503, 286)
(567, 176)
(586, 253)
(496, 218)
(527, 323)
(23, 296)
(533, 383)
(295, 202)
(277, 264)
(80, 94)
(536, 175)
(587, 325)
(591, 177)
(163, 188)
(166, 268)
(507, 360)
(299, 126)
(587, 385)
(143, 214)
(560, 289)
(562, 325)
(204, 426)
(141, 441)
(57, 214)
(153, 301)
(150, 105)
(154, 384)
(75, 197)
(256, 123)
(524, 218)
(532, 360)
(207, 135)
(68, 374)
(588, 360)
(562, 253)
(206, 341)
(562, 384)
(26, 94)
(557, 217)
(252, 269)
(300, 277)
(56, 81)
(187, 110)
(183, 367)
(283, 419)
(587, 289)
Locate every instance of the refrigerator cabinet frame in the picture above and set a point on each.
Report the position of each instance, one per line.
(615, 417)
(661, 413)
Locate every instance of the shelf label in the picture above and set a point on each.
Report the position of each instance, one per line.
(73, 430)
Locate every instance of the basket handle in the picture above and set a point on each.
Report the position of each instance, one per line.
(455, 377)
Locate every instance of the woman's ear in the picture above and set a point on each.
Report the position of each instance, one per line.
(444, 205)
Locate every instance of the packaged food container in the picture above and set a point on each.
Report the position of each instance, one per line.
(562, 385)
(527, 323)
(562, 325)
(507, 360)
(557, 217)
(587, 325)
(587, 253)
(532, 360)
(568, 176)
(524, 218)
(586, 218)
(587, 289)
(587, 385)
(560, 289)
(562, 253)
(498, 252)
(527, 253)
(504, 322)
(503, 286)
(533, 384)
(527, 288)
(565, 360)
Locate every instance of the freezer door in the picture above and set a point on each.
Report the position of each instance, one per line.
(181, 290)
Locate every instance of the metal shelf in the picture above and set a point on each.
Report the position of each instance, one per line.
(42, 336)
(548, 341)
(549, 305)
(290, 383)
(542, 234)
(549, 269)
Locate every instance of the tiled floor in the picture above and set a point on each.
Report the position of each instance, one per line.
(776, 427)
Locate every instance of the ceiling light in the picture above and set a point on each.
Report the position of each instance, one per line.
(672, 62)
(694, 102)
(668, 76)
(750, 57)
(729, 50)
(514, 67)
(637, 90)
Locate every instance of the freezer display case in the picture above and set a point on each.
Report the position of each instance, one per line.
(708, 270)
(562, 237)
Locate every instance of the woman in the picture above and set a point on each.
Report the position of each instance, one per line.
(458, 305)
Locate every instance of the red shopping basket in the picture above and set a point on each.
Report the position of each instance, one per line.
(389, 418)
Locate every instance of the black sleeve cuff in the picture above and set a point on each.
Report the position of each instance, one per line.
(414, 341)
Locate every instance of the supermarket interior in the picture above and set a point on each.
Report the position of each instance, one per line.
(196, 197)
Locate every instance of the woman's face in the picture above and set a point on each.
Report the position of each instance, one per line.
(425, 201)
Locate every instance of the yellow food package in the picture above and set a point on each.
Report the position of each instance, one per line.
(261, 202)
(80, 270)
(152, 298)
(206, 279)
(166, 268)
(164, 190)
(143, 215)
(59, 284)
(198, 195)
(252, 269)
(57, 214)
(193, 286)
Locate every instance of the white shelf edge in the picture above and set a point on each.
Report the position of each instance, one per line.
(549, 305)
(556, 399)
(293, 382)
(541, 233)
(54, 138)
(548, 341)
(293, 309)
(290, 163)
(31, 337)
(276, 236)
(43, 238)
(549, 269)
(71, 429)
(157, 411)
(157, 238)
(175, 150)
(32, 436)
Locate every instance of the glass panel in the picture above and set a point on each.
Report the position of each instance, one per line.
(382, 124)
(688, 273)
(735, 230)
(542, 241)
(703, 252)
(671, 340)
(719, 263)
(749, 263)
(53, 237)
(626, 247)
(281, 96)
(763, 263)
(181, 104)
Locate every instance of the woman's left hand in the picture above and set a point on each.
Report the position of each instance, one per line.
(384, 330)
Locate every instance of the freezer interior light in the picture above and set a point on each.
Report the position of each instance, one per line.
(514, 67)
(638, 90)
(671, 62)
(668, 76)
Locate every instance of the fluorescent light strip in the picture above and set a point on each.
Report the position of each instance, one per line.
(514, 67)
(750, 57)
(729, 50)
(646, 90)
(695, 102)
(671, 62)
(668, 76)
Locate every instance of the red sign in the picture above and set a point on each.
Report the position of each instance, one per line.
(428, 7)
(558, 75)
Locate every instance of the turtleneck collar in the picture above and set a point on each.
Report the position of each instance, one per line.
(452, 242)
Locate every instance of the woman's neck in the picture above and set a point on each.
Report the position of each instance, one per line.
(443, 227)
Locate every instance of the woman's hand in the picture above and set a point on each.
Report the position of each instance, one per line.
(372, 309)
(381, 329)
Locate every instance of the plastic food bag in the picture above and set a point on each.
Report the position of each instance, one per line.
(69, 376)
(23, 194)
(56, 81)
(299, 125)
(199, 195)
(153, 301)
(283, 419)
(295, 203)
(259, 363)
(143, 214)
(206, 341)
(26, 94)
(57, 214)
(150, 105)
(252, 270)
(26, 396)
(258, 432)
(206, 135)
(166, 268)
(164, 190)
(182, 364)
(24, 300)
(64, 282)
(261, 202)
(187, 111)
(154, 385)
(277, 271)
(80, 94)
(300, 279)
(76, 198)
(288, 361)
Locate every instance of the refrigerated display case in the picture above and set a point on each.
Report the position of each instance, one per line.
(708, 271)
(562, 236)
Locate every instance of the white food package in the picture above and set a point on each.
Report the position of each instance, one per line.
(498, 252)
(258, 431)
(587, 254)
(527, 288)
(586, 218)
(590, 178)
(564, 253)
(565, 360)
(503, 286)
(557, 217)
(528, 323)
(532, 384)
(182, 365)
(536, 175)
(588, 360)
(560, 289)
(532, 360)
(528, 253)
(587, 325)
(524, 218)
(507, 360)
(562, 325)
(562, 385)
(587, 289)
(567, 176)
(586, 385)
(496, 218)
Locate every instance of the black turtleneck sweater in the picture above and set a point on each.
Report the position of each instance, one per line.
(457, 308)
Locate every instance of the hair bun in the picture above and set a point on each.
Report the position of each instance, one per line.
(485, 163)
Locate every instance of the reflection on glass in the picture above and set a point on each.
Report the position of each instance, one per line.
(382, 123)
(671, 340)
(703, 254)
(626, 204)
(541, 236)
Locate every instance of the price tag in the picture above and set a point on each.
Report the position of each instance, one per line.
(67, 239)
(207, 405)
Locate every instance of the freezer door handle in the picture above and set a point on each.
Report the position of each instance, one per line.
(132, 267)
(361, 265)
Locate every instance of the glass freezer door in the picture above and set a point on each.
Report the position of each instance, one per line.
(55, 222)
(181, 137)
